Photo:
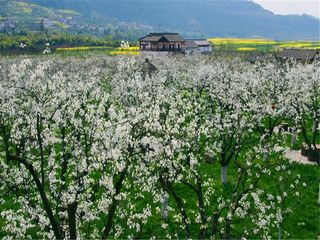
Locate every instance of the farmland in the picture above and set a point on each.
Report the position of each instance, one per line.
(102, 147)
(262, 45)
(82, 45)
(85, 50)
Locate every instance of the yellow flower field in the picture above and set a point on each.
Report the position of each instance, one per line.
(134, 48)
(246, 49)
(260, 44)
(241, 41)
(295, 45)
(126, 51)
(83, 48)
(111, 51)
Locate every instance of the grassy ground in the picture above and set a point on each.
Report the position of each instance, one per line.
(303, 223)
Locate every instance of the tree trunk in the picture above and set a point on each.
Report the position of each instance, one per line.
(203, 230)
(72, 222)
(5, 138)
(214, 223)
(315, 122)
(314, 127)
(183, 212)
(57, 230)
(168, 187)
(319, 194)
(224, 174)
(293, 138)
(164, 209)
(114, 205)
(39, 138)
(227, 234)
(265, 153)
(279, 231)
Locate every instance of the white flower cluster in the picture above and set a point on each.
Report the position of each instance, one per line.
(93, 147)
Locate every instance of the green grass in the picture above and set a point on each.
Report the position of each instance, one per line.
(305, 210)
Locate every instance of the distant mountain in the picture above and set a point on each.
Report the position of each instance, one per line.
(23, 16)
(31, 16)
(192, 18)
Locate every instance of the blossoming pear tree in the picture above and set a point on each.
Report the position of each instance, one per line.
(93, 148)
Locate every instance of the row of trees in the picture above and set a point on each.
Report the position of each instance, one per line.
(36, 42)
(95, 149)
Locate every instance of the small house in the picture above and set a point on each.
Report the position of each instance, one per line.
(301, 55)
(198, 46)
(168, 42)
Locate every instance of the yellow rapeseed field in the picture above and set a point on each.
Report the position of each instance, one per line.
(83, 48)
(246, 49)
(295, 45)
(111, 51)
(251, 44)
(126, 51)
(220, 41)
(134, 48)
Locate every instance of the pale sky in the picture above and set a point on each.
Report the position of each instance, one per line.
(284, 7)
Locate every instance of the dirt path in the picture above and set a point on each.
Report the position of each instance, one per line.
(295, 155)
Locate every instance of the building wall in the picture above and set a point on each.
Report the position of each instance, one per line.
(164, 46)
(200, 49)
(205, 48)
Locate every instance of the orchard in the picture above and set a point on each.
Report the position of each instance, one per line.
(97, 148)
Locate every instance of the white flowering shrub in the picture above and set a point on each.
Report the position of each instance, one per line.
(94, 148)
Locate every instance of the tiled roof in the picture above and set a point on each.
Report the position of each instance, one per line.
(155, 37)
(298, 54)
(194, 43)
(174, 37)
(151, 38)
(191, 44)
(202, 42)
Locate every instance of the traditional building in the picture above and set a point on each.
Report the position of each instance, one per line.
(198, 46)
(300, 55)
(169, 42)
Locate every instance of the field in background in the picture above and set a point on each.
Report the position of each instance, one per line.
(69, 45)
(101, 49)
(263, 45)
(219, 44)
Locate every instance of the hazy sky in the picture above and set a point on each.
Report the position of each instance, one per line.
(310, 7)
